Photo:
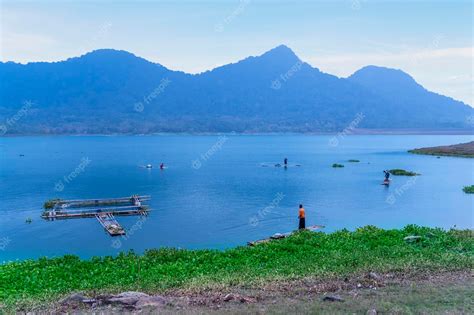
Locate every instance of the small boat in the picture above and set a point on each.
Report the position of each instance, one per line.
(386, 182)
(149, 166)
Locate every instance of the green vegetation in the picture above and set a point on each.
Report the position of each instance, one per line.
(400, 172)
(304, 254)
(50, 203)
(469, 189)
(353, 161)
(458, 150)
(337, 165)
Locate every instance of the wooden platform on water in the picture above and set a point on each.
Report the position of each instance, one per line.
(104, 210)
(110, 224)
(78, 203)
(90, 213)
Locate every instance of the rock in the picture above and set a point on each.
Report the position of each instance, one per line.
(73, 299)
(228, 297)
(374, 276)
(244, 299)
(333, 298)
(277, 236)
(127, 298)
(151, 301)
(412, 238)
(372, 311)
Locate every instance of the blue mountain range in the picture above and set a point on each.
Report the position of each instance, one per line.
(111, 91)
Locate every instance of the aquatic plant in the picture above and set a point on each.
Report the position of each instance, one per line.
(400, 172)
(469, 189)
(303, 254)
(353, 161)
(337, 165)
(51, 203)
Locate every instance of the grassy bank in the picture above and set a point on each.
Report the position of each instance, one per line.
(305, 254)
(458, 150)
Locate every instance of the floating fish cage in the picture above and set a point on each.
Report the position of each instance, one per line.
(103, 210)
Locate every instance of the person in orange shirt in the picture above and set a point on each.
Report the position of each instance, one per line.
(301, 216)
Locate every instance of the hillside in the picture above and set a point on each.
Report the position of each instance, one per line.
(110, 91)
(461, 150)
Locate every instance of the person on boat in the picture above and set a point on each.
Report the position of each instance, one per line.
(162, 166)
(285, 161)
(301, 216)
(387, 175)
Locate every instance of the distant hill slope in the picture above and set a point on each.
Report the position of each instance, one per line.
(461, 150)
(110, 91)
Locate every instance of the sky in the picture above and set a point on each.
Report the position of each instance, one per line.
(430, 40)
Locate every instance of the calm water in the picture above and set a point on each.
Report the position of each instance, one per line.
(230, 199)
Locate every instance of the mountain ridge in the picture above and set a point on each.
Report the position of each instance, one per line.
(273, 92)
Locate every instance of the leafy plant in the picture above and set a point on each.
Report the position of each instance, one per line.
(469, 189)
(51, 203)
(303, 254)
(400, 172)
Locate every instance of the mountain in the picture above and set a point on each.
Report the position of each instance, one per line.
(110, 91)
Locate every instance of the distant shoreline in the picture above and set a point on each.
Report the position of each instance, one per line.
(358, 132)
(465, 150)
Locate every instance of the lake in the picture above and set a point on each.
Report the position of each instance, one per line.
(222, 191)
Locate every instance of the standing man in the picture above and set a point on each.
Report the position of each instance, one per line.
(301, 216)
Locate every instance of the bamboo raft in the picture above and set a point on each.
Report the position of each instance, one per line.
(100, 202)
(104, 210)
(110, 224)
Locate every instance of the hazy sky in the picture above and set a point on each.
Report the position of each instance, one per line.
(431, 40)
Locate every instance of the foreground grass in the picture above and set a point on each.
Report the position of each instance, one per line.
(301, 255)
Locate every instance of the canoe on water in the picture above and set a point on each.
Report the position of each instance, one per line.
(279, 165)
(277, 236)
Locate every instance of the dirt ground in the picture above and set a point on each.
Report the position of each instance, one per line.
(441, 293)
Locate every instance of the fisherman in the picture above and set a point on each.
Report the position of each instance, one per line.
(285, 161)
(301, 216)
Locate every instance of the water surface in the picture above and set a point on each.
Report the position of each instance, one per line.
(216, 194)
